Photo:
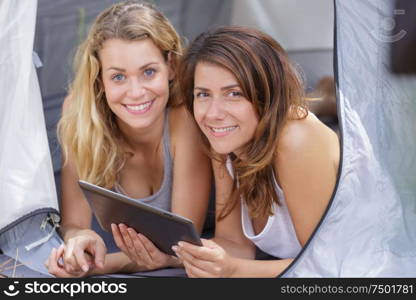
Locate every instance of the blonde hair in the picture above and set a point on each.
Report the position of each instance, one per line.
(88, 128)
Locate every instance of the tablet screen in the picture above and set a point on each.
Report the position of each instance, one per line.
(162, 227)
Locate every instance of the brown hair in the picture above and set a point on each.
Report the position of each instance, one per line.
(270, 83)
(88, 128)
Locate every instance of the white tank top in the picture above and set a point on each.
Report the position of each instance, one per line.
(278, 237)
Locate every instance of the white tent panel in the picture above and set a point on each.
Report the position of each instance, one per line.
(26, 175)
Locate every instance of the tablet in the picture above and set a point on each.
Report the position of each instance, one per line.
(162, 227)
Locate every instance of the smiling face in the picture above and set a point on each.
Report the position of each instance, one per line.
(135, 76)
(224, 115)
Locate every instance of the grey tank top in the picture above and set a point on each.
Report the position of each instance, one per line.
(160, 199)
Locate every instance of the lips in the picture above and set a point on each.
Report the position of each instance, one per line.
(221, 131)
(139, 108)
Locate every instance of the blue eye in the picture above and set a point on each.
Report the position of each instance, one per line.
(118, 77)
(149, 72)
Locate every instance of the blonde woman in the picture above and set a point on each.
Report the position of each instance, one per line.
(275, 164)
(123, 128)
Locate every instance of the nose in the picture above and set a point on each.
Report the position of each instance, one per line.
(215, 110)
(135, 89)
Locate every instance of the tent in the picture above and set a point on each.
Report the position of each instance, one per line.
(369, 227)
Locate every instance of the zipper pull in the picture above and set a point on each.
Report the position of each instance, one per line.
(55, 219)
(43, 224)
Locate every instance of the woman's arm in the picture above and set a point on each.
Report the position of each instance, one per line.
(228, 231)
(76, 221)
(191, 169)
(75, 211)
(307, 168)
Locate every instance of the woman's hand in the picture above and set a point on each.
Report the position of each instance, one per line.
(82, 252)
(55, 265)
(141, 250)
(207, 261)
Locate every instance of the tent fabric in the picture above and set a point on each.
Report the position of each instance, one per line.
(369, 229)
(15, 241)
(27, 189)
(26, 176)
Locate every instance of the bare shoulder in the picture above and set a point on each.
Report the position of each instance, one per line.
(307, 166)
(183, 128)
(308, 138)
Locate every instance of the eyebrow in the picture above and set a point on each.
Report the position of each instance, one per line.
(231, 86)
(116, 69)
(123, 70)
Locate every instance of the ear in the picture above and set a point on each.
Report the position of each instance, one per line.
(170, 69)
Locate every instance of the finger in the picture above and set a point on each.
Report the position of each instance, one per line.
(95, 252)
(53, 267)
(188, 270)
(126, 237)
(60, 251)
(70, 263)
(99, 254)
(140, 248)
(204, 265)
(69, 251)
(75, 257)
(200, 252)
(81, 260)
(134, 248)
(131, 230)
(59, 255)
(195, 272)
(51, 262)
(118, 238)
(209, 243)
(175, 249)
(135, 245)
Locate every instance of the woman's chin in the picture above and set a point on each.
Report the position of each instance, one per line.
(221, 150)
